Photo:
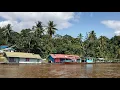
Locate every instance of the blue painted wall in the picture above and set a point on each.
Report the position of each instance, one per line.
(3, 46)
(51, 59)
(90, 61)
(67, 60)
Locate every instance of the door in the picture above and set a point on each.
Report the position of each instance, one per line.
(57, 60)
(17, 60)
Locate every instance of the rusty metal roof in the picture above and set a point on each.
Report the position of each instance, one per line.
(65, 56)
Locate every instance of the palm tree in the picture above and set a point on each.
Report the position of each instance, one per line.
(51, 28)
(102, 45)
(7, 32)
(80, 37)
(92, 36)
(102, 40)
(39, 31)
(25, 32)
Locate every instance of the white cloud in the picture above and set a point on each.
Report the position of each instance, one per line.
(28, 19)
(114, 24)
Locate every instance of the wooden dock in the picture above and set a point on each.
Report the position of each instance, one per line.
(107, 61)
(3, 63)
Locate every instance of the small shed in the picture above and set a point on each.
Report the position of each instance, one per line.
(6, 48)
(20, 57)
(89, 59)
(10, 49)
(3, 46)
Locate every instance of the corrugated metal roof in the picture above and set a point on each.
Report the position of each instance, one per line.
(22, 55)
(65, 56)
(3, 46)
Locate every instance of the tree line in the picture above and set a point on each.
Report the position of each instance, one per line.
(42, 40)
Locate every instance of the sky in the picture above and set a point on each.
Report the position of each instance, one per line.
(71, 23)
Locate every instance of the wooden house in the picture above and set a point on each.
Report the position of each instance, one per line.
(20, 57)
(61, 58)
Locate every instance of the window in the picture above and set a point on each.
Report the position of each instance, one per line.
(11, 60)
(27, 59)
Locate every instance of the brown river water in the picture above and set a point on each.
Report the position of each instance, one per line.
(106, 70)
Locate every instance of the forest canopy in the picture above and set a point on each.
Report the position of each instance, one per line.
(43, 40)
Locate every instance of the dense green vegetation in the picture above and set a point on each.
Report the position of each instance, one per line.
(43, 40)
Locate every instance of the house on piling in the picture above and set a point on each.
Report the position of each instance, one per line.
(61, 58)
(87, 60)
(3, 46)
(90, 60)
(20, 57)
(6, 48)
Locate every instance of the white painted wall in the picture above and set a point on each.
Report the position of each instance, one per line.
(23, 60)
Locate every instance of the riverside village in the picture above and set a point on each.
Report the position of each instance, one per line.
(8, 55)
(59, 44)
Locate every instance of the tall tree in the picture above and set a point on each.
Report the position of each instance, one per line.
(103, 42)
(90, 44)
(51, 28)
(7, 32)
(2, 40)
(92, 36)
(25, 32)
(80, 37)
(38, 28)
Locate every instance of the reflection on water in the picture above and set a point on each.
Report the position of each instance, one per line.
(60, 71)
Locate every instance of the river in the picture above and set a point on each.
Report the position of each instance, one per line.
(104, 70)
